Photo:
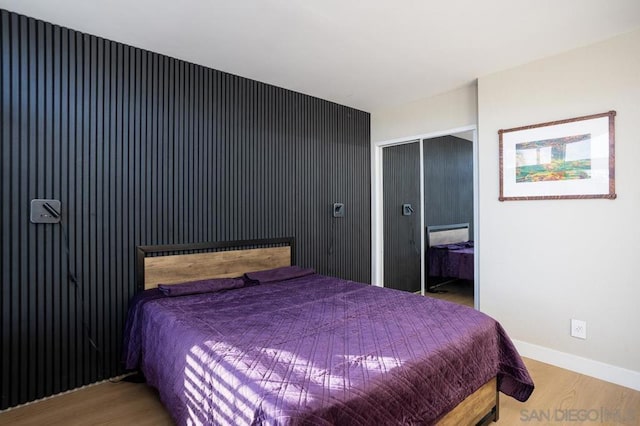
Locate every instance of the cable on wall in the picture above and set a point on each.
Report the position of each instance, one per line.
(50, 211)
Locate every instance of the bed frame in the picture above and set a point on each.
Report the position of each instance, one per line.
(171, 264)
(447, 234)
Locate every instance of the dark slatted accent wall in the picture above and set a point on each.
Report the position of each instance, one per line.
(448, 181)
(144, 149)
(401, 185)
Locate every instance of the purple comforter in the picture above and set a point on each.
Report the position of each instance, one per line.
(316, 350)
(451, 260)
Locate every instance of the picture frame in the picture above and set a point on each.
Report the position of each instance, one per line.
(565, 159)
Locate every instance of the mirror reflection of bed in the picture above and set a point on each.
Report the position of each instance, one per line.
(449, 263)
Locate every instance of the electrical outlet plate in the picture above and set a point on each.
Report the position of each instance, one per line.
(41, 211)
(578, 329)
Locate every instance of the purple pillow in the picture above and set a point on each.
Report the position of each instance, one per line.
(201, 286)
(278, 274)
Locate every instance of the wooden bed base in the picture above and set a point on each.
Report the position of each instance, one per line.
(172, 264)
(479, 408)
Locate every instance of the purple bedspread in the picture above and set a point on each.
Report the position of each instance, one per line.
(316, 350)
(451, 260)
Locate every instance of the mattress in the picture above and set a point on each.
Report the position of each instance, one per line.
(312, 349)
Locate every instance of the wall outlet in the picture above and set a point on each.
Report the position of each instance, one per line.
(578, 329)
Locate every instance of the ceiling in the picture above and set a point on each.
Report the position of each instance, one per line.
(367, 54)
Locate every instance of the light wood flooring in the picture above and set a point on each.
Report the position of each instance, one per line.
(459, 291)
(563, 394)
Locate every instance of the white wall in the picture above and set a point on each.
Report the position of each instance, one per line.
(451, 110)
(544, 262)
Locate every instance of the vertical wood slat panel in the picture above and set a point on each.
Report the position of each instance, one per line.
(143, 149)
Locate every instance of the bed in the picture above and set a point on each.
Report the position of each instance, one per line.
(284, 345)
(449, 254)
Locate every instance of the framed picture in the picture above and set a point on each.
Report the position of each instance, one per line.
(564, 159)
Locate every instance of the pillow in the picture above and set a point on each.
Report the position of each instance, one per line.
(278, 274)
(201, 286)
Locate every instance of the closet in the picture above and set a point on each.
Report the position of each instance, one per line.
(442, 169)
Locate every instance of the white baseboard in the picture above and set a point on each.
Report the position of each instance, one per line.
(599, 370)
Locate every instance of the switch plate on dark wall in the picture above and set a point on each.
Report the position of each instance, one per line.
(407, 210)
(45, 211)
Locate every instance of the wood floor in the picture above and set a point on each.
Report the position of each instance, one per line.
(458, 291)
(561, 397)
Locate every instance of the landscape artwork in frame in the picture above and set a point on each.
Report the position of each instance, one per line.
(573, 158)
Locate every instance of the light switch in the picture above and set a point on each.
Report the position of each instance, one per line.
(338, 209)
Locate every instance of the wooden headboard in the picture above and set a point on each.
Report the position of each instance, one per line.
(447, 234)
(172, 264)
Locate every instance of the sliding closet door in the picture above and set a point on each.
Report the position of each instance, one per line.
(401, 193)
